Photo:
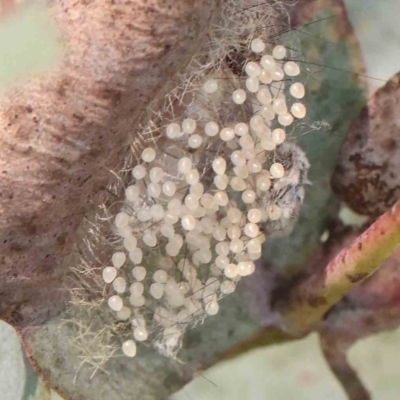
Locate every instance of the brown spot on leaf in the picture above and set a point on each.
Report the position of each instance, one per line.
(356, 278)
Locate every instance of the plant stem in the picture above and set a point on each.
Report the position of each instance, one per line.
(307, 302)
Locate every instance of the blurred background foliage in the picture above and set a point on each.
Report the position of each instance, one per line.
(28, 44)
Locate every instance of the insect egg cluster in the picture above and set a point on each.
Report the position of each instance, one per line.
(196, 208)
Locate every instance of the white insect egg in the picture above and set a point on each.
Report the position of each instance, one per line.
(198, 213)
(268, 62)
(241, 129)
(153, 190)
(222, 248)
(238, 184)
(148, 154)
(254, 166)
(234, 215)
(140, 334)
(149, 238)
(256, 123)
(191, 202)
(226, 134)
(177, 239)
(278, 136)
(264, 95)
(207, 225)
(205, 256)
(254, 215)
(267, 112)
(279, 52)
(172, 249)
(239, 96)
(132, 193)
(129, 348)
(189, 125)
(123, 314)
(136, 256)
(137, 301)
(156, 174)
(263, 132)
(184, 165)
(136, 289)
(252, 84)
(299, 110)
(254, 246)
(170, 218)
(212, 307)
(246, 268)
(130, 243)
(274, 212)
(173, 130)
(285, 119)
(238, 158)
(221, 198)
(227, 287)
(118, 259)
(277, 170)
(231, 271)
(297, 90)
(207, 200)
(211, 128)
(210, 288)
(169, 188)
(268, 145)
(139, 273)
(139, 172)
(119, 284)
(252, 69)
(219, 166)
(277, 74)
(265, 77)
(291, 68)
(246, 142)
(156, 290)
(234, 232)
(219, 234)
(157, 212)
(241, 171)
(222, 261)
(210, 86)
(221, 181)
(121, 220)
(197, 190)
(115, 303)
(167, 230)
(192, 177)
(160, 276)
(188, 222)
(195, 141)
(251, 230)
(279, 106)
(248, 196)
(172, 288)
(109, 274)
(250, 153)
(257, 45)
(263, 183)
